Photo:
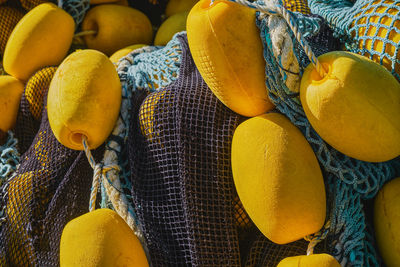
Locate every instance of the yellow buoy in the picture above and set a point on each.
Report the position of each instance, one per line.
(84, 99)
(11, 91)
(355, 107)
(175, 23)
(314, 260)
(229, 56)
(115, 27)
(278, 178)
(100, 238)
(387, 222)
(41, 38)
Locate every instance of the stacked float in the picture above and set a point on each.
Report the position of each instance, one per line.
(353, 104)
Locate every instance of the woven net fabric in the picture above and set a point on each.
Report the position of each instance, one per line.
(182, 188)
(29, 4)
(50, 187)
(36, 88)
(76, 8)
(145, 70)
(350, 181)
(9, 18)
(369, 28)
(31, 106)
(300, 6)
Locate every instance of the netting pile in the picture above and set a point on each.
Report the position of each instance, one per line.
(350, 181)
(367, 27)
(182, 186)
(50, 187)
(172, 142)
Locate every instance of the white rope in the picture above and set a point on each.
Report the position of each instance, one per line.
(282, 47)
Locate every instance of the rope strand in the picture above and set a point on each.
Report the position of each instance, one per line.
(99, 172)
(281, 10)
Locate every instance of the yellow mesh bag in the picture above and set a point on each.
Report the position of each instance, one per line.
(35, 89)
(9, 17)
(300, 6)
(29, 4)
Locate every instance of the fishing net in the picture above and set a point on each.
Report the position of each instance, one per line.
(172, 142)
(350, 181)
(9, 18)
(182, 187)
(369, 28)
(29, 4)
(50, 187)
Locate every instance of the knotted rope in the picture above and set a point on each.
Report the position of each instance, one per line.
(274, 8)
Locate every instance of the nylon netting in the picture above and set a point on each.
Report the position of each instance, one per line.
(36, 88)
(172, 141)
(50, 187)
(31, 105)
(367, 27)
(182, 186)
(350, 182)
(9, 18)
(29, 4)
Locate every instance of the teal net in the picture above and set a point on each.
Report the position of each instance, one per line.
(76, 8)
(368, 27)
(194, 188)
(350, 181)
(9, 157)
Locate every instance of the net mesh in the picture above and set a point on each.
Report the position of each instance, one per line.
(350, 181)
(175, 158)
(9, 18)
(50, 187)
(29, 4)
(300, 6)
(35, 89)
(31, 105)
(369, 28)
(77, 9)
(182, 186)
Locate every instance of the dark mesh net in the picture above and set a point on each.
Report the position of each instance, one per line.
(51, 187)
(35, 89)
(29, 4)
(9, 17)
(182, 185)
(31, 105)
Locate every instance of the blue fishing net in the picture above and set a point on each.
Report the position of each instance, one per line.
(349, 181)
(76, 8)
(366, 27)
